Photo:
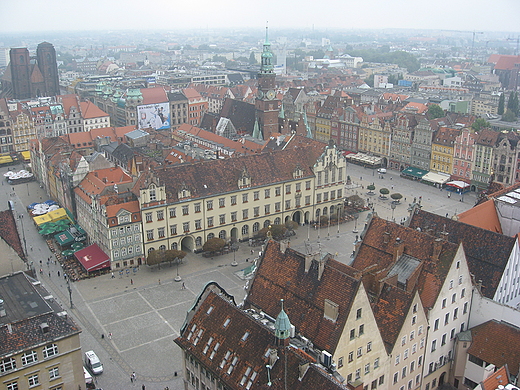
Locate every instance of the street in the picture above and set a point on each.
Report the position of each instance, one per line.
(130, 321)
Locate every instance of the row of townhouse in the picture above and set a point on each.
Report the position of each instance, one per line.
(390, 324)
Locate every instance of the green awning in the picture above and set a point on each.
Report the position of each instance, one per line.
(414, 172)
(64, 238)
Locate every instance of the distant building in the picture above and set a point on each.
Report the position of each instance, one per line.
(39, 342)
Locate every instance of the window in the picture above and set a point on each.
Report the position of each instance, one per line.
(452, 333)
(352, 333)
(307, 199)
(267, 193)
(412, 335)
(443, 341)
(160, 215)
(245, 214)
(419, 332)
(7, 364)
(358, 373)
(196, 207)
(463, 293)
(152, 195)
(29, 357)
(215, 349)
(455, 313)
(33, 380)
(287, 204)
(367, 368)
(446, 318)
(403, 341)
(434, 345)
(369, 346)
(222, 202)
(415, 308)
(419, 361)
(185, 210)
(222, 219)
(198, 224)
(414, 348)
(318, 198)
(148, 217)
(414, 320)
(361, 329)
(412, 366)
(233, 200)
(12, 386)
(381, 379)
(397, 359)
(436, 324)
(256, 195)
(340, 362)
(358, 314)
(210, 221)
(421, 344)
(209, 205)
(173, 212)
(160, 232)
(186, 227)
(350, 356)
(288, 189)
(403, 375)
(267, 208)
(444, 302)
(460, 279)
(451, 284)
(256, 211)
(396, 377)
(173, 230)
(465, 308)
(54, 373)
(308, 185)
(405, 354)
(359, 352)
(277, 206)
(376, 363)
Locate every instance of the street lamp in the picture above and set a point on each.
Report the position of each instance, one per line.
(393, 208)
(356, 216)
(177, 278)
(234, 248)
(337, 221)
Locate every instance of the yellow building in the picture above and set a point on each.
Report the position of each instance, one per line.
(23, 130)
(39, 343)
(442, 150)
(374, 136)
(184, 205)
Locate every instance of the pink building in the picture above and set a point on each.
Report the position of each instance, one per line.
(462, 155)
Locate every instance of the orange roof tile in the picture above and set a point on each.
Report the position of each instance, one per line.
(89, 110)
(499, 377)
(484, 216)
(154, 95)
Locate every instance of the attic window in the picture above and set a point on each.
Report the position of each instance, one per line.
(245, 336)
(226, 322)
(210, 309)
(207, 345)
(196, 340)
(331, 310)
(215, 349)
(191, 332)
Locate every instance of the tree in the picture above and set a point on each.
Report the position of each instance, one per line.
(291, 225)
(371, 188)
(435, 111)
(384, 192)
(277, 232)
(511, 101)
(370, 81)
(514, 105)
(213, 244)
(479, 124)
(501, 102)
(173, 255)
(155, 257)
(356, 201)
(397, 196)
(509, 116)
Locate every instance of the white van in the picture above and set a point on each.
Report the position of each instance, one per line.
(381, 170)
(93, 363)
(88, 377)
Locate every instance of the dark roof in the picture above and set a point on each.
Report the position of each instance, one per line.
(27, 308)
(498, 343)
(241, 114)
(205, 328)
(487, 252)
(212, 177)
(283, 276)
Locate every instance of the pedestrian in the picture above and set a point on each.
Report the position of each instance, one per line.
(41, 271)
(31, 248)
(113, 275)
(252, 251)
(49, 274)
(58, 273)
(449, 195)
(159, 281)
(132, 378)
(110, 335)
(131, 281)
(143, 387)
(183, 286)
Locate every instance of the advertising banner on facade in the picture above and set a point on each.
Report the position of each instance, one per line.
(156, 116)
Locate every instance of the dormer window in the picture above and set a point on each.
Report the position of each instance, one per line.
(152, 194)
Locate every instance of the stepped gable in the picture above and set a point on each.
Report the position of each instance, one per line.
(498, 343)
(283, 276)
(208, 178)
(390, 310)
(487, 252)
(377, 253)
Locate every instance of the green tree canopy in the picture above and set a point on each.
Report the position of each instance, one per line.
(384, 191)
(509, 116)
(501, 102)
(173, 255)
(396, 196)
(383, 54)
(435, 111)
(371, 187)
(277, 232)
(213, 244)
(479, 124)
(155, 257)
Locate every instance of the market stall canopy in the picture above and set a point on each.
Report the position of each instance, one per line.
(92, 258)
(414, 172)
(56, 215)
(5, 160)
(26, 155)
(437, 178)
(64, 238)
(458, 184)
(40, 220)
(365, 159)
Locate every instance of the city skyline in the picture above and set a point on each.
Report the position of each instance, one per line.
(167, 15)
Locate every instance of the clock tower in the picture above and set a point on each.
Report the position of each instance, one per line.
(267, 106)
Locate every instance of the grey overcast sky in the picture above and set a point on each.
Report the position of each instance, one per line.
(66, 15)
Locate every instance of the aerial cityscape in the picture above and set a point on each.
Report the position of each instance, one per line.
(223, 196)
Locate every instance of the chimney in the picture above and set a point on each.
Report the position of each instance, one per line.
(284, 244)
(398, 248)
(437, 247)
(386, 237)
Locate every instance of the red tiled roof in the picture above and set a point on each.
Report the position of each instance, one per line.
(500, 377)
(89, 110)
(9, 232)
(498, 343)
(507, 62)
(484, 216)
(154, 95)
(97, 181)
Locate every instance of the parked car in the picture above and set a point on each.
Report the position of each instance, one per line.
(381, 170)
(93, 363)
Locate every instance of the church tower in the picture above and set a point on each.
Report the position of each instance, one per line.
(266, 104)
(46, 58)
(20, 64)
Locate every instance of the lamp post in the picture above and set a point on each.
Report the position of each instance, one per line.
(177, 278)
(234, 248)
(356, 216)
(337, 221)
(70, 293)
(393, 208)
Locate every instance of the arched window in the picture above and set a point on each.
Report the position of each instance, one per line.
(150, 250)
(174, 246)
(222, 234)
(245, 230)
(318, 213)
(256, 227)
(267, 223)
(162, 248)
(198, 241)
(210, 236)
(332, 209)
(324, 211)
(277, 221)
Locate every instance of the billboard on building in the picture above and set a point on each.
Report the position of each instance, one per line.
(156, 116)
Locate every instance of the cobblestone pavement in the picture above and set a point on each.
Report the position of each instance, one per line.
(145, 311)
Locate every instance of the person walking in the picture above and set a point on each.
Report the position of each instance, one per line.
(143, 387)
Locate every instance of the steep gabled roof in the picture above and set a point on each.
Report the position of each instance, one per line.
(484, 216)
(487, 252)
(154, 95)
(9, 232)
(283, 276)
(89, 110)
